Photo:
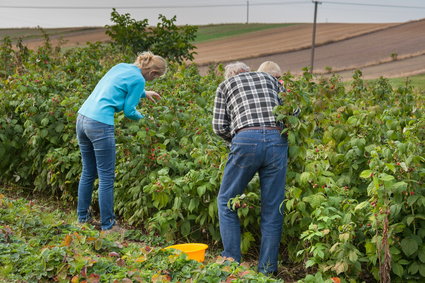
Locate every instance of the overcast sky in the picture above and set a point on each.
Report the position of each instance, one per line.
(71, 13)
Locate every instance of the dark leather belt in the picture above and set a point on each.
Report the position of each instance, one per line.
(258, 128)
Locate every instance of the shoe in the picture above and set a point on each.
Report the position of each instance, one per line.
(91, 221)
(115, 229)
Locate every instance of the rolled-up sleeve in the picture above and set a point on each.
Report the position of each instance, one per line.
(221, 119)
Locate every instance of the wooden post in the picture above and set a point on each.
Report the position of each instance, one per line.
(314, 35)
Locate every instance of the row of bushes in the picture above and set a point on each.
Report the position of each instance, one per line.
(355, 194)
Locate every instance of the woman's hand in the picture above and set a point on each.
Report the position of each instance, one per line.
(152, 95)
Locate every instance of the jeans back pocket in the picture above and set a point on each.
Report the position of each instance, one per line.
(243, 155)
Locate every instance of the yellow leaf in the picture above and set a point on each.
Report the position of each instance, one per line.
(67, 241)
(141, 259)
(344, 237)
(340, 267)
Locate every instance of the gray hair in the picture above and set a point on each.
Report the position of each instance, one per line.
(233, 69)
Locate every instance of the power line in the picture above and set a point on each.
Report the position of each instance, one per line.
(152, 7)
(373, 5)
(209, 5)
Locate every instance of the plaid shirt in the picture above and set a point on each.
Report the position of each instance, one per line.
(245, 100)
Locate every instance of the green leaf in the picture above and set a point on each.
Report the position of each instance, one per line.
(164, 171)
(391, 167)
(212, 210)
(193, 204)
(394, 251)
(366, 174)
(201, 190)
(310, 263)
(185, 228)
(305, 177)
(291, 138)
(98, 244)
(410, 219)
(353, 256)
(398, 187)
(246, 240)
(413, 268)
(361, 205)
(397, 269)
(422, 269)
(44, 133)
(315, 200)
(421, 254)
(352, 120)
(177, 203)
(59, 128)
(44, 122)
(412, 199)
(409, 246)
(290, 204)
(385, 177)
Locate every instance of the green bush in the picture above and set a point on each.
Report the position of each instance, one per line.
(166, 39)
(355, 204)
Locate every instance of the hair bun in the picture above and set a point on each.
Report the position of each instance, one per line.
(148, 61)
(145, 57)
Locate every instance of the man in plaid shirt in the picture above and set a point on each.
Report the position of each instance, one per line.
(243, 117)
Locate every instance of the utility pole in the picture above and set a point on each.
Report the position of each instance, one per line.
(314, 35)
(247, 11)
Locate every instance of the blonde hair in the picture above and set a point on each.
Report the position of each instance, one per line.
(147, 61)
(235, 68)
(271, 68)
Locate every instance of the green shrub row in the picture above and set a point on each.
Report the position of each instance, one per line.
(355, 194)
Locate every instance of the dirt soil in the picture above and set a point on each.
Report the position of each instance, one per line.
(389, 50)
(278, 40)
(372, 51)
(72, 39)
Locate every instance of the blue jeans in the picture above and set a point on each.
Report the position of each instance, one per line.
(97, 147)
(251, 151)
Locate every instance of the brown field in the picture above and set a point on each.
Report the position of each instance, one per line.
(389, 50)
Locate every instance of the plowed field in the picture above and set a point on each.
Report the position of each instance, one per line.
(395, 49)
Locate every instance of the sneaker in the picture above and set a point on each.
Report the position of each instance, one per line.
(115, 229)
(91, 221)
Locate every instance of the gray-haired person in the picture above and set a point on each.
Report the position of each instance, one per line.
(243, 116)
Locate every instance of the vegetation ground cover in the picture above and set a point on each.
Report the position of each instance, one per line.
(211, 32)
(39, 243)
(417, 81)
(355, 204)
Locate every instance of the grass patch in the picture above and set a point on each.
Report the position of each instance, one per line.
(211, 32)
(417, 81)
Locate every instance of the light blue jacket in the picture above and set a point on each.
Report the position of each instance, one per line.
(120, 89)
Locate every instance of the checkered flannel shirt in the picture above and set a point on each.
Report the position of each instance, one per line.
(246, 100)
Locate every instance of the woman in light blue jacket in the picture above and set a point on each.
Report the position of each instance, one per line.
(120, 89)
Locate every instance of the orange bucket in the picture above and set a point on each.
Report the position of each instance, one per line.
(195, 251)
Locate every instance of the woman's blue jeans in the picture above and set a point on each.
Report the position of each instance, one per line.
(97, 147)
(251, 151)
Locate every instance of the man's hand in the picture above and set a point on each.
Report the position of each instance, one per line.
(152, 96)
